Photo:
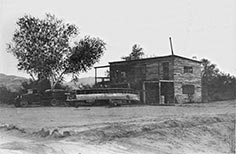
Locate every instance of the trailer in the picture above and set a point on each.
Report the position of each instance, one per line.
(103, 96)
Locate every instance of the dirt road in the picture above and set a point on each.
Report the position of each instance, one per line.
(193, 128)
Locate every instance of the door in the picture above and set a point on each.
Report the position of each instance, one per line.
(151, 92)
(167, 90)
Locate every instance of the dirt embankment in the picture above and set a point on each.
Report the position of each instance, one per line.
(178, 135)
(204, 134)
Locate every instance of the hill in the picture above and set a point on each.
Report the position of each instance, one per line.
(12, 82)
(82, 81)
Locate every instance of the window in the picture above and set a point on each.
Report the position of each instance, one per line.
(165, 66)
(115, 74)
(188, 69)
(123, 74)
(188, 89)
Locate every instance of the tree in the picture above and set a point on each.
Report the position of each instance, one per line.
(215, 84)
(209, 72)
(137, 53)
(45, 50)
(223, 87)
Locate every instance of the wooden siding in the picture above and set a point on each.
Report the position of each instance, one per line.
(140, 71)
(154, 70)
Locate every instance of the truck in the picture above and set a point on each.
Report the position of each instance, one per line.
(49, 97)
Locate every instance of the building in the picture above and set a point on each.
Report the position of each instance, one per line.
(159, 80)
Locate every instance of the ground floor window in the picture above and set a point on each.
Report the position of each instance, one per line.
(188, 89)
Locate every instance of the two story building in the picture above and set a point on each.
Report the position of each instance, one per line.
(159, 80)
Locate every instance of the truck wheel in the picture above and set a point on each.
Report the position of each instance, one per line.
(54, 102)
(24, 103)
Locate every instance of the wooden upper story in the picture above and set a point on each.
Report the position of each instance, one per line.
(171, 67)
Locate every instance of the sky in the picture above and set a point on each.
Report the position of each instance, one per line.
(201, 28)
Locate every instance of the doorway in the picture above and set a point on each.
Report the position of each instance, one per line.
(158, 92)
(151, 92)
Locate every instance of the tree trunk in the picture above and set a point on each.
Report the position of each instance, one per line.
(54, 81)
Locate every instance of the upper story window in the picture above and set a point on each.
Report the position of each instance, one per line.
(188, 69)
(165, 70)
(123, 74)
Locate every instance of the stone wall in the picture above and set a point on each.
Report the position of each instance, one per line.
(182, 78)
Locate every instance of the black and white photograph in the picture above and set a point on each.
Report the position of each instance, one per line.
(117, 77)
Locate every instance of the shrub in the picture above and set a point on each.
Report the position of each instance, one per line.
(6, 96)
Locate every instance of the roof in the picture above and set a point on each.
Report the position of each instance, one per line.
(154, 58)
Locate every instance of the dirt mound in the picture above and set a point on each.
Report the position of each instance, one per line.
(42, 133)
(179, 135)
(11, 128)
(211, 134)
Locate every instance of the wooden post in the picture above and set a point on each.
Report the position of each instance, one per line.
(159, 91)
(144, 93)
(95, 76)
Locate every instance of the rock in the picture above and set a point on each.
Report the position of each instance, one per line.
(56, 134)
(11, 127)
(43, 133)
(66, 134)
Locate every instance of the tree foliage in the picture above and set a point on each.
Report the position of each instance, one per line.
(137, 53)
(223, 87)
(45, 50)
(209, 70)
(39, 85)
(215, 84)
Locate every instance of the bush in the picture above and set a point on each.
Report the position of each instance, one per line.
(6, 96)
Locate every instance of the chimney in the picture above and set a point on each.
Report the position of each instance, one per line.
(171, 47)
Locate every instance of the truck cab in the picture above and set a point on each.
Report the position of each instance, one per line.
(50, 97)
